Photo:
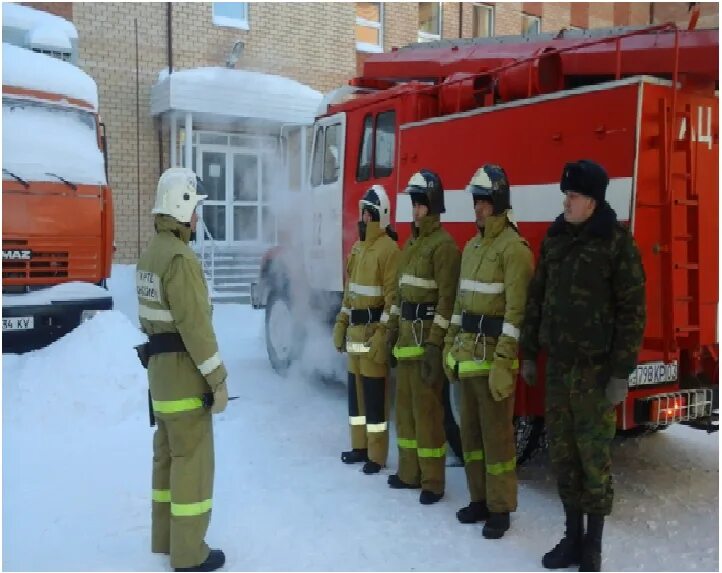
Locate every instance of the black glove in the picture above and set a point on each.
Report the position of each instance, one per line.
(431, 366)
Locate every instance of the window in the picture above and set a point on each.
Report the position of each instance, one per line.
(363, 170)
(231, 14)
(326, 157)
(530, 25)
(332, 160)
(429, 21)
(385, 136)
(483, 24)
(369, 27)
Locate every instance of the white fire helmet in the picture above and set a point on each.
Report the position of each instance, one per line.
(376, 199)
(176, 194)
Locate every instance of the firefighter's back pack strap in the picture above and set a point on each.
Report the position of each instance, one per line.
(482, 324)
(421, 310)
(366, 315)
(165, 342)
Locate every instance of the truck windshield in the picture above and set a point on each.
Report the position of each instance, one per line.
(42, 141)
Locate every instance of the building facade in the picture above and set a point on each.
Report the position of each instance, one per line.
(126, 46)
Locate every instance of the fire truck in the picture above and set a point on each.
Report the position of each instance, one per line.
(641, 102)
(57, 230)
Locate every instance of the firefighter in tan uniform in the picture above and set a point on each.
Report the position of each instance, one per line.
(184, 371)
(428, 274)
(362, 329)
(480, 350)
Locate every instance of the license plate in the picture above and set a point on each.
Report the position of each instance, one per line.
(654, 373)
(18, 323)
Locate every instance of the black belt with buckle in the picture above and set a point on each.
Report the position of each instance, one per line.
(165, 342)
(421, 310)
(482, 324)
(366, 315)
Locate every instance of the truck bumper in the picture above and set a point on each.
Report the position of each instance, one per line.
(685, 406)
(49, 322)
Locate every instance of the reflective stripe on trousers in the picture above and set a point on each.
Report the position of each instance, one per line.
(175, 406)
(182, 509)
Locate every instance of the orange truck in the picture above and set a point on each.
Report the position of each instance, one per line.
(57, 225)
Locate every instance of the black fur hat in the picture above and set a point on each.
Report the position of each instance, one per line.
(585, 177)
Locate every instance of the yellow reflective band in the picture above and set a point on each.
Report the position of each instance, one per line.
(501, 467)
(190, 509)
(357, 420)
(432, 452)
(475, 456)
(450, 361)
(161, 495)
(469, 366)
(357, 348)
(174, 406)
(406, 443)
(374, 428)
(408, 351)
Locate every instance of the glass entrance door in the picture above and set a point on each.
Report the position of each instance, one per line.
(237, 209)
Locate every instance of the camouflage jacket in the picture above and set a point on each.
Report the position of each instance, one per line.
(587, 298)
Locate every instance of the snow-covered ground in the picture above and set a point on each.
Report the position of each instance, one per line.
(77, 466)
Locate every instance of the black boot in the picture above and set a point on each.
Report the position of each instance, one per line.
(371, 467)
(215, 560)
(496, 525)
(475, 511)
(569, 550)
(592, 544)
(355, 456)
(395, 482)
(428, 497)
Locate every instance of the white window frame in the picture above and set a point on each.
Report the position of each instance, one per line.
(526, 16)
(426, 36)
(491, 11)
(365, 46)
(227, 22)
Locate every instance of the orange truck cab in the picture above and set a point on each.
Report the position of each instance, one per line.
(57, 225)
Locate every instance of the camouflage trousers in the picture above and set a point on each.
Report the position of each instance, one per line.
(580, 423)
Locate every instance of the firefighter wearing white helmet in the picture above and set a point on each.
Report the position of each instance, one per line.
(186, 375)
(363, 329)
(480, 350)
(428, 273)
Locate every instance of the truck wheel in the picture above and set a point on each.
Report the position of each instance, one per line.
(283, 339)
(530, 436)
(451, 416)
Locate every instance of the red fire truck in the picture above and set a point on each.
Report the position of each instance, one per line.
(641, 102)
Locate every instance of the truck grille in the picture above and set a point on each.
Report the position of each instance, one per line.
(49, 264)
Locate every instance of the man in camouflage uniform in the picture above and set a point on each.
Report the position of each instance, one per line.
(586, 310)
(184, 371)
(362, 329)
(481, 350)
(428, 275)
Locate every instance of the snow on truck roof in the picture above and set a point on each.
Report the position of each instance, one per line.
(30, 70)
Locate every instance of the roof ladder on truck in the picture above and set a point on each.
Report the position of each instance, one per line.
(680, 255)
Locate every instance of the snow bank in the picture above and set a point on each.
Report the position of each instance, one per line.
(27, 69)
(41, 140)
(88, 378)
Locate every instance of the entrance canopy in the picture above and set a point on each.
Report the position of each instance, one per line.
(234, 95)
